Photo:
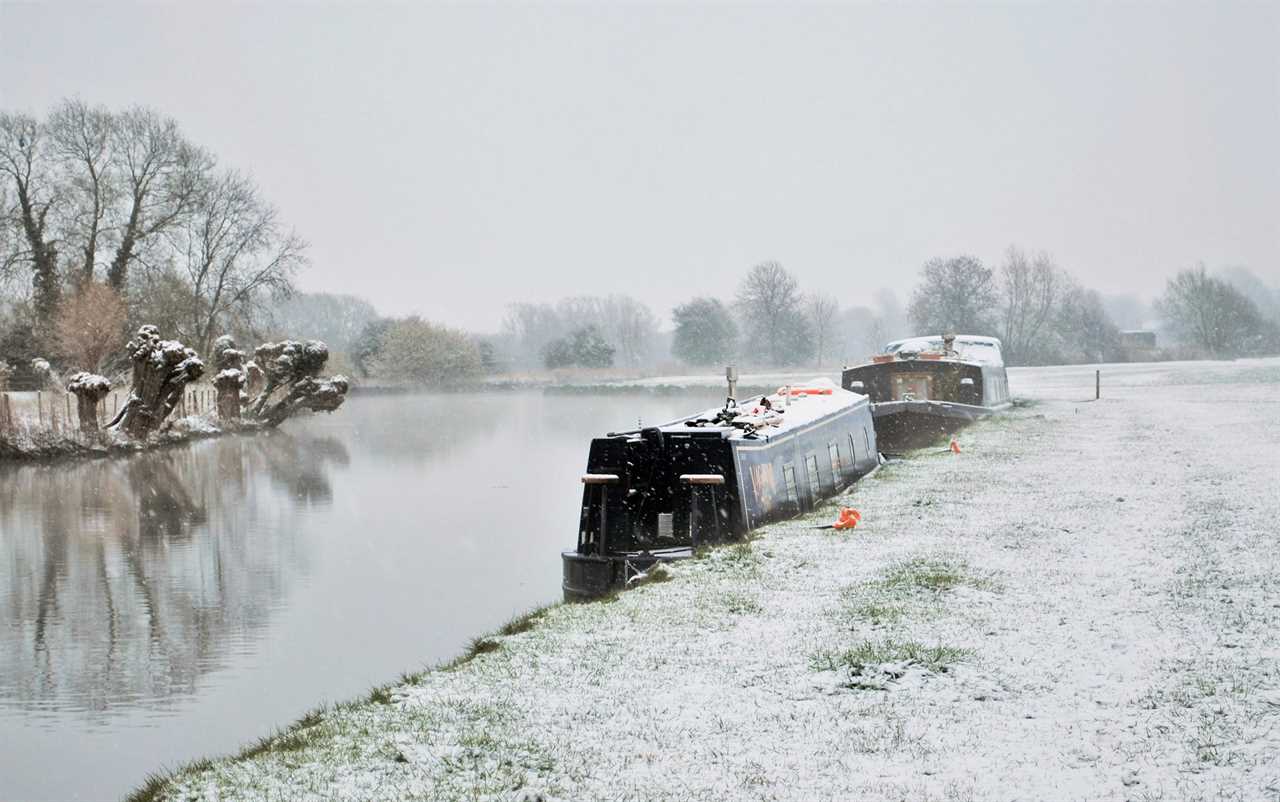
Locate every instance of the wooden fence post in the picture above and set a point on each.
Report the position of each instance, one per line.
(1097, 385)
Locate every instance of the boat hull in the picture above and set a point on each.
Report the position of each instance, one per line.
(916, 401)
(592, 576)
(915, 424)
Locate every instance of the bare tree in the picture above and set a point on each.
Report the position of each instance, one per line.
(955, 295)
(25, 166)
(629, 325)
(823, 311)
(1083, 331)
(1029, 292)
(1210, 314)
(338, 320)
(163, 178)
(531, 327)
(233, 252)
(80, 138)
(770, 302)
(705, 332)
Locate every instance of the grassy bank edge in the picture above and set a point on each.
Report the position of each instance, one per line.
(295, 736)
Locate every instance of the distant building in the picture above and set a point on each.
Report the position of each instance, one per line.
(1139, 345)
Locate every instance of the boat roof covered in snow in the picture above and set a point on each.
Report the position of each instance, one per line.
(764, 417)
(968, 347)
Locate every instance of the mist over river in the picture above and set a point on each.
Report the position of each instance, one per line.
(180, 603)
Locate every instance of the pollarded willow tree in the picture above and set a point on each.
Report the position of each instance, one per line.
(89, 389)
(230, 379)
(161, 371)
(294, 383)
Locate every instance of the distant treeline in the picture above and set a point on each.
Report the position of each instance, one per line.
(113, 218)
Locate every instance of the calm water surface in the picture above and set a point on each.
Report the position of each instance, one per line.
(179, 604)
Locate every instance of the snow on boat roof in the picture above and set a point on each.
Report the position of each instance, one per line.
(804, 408)
(971, 347)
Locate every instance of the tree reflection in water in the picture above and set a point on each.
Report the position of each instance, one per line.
(122, 582)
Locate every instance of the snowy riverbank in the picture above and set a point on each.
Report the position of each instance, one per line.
(30, 444)
(1080, 605)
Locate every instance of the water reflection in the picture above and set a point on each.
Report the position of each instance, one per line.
(128, 580)
(180, 603)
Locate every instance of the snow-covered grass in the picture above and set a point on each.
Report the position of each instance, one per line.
(1082, 604)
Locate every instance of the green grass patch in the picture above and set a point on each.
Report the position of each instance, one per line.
(737, 603)
(523, 622)
(877, 613)
(157, 784)
(909, 585)
(656, 575)
(871, 654)
(933, 574)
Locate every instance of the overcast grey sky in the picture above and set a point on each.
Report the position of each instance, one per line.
(446, 159)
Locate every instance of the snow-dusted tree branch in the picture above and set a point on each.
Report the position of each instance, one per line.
(161, 176)
(232, 251)
(24, 166)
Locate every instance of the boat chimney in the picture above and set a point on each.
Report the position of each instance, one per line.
(731, 376)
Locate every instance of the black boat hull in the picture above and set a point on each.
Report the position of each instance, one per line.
(591, 576)
(902, 425)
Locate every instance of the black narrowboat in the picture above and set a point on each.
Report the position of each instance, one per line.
(659, 493)
(925, 387)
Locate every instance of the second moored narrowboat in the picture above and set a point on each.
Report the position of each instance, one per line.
(924, 387)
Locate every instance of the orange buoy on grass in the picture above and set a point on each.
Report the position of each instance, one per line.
(849, 518)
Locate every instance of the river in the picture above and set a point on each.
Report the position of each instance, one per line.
(181, 603)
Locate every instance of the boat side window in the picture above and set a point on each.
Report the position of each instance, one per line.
(866, 440)
(837, 469)
(815, 485)
(853, 449)
(789, 479)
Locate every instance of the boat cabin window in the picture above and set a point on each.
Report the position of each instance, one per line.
(789, 479)
(853, 449)
(866, 440)
(837, 470)
(815, 485)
